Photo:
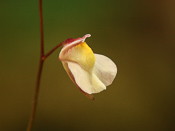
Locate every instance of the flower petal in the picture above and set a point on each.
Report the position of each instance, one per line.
(65, 65)
(86, 80)
(105, 69)
(81, 54)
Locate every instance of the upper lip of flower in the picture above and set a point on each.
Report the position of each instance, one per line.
(70, 42)
(73, 42)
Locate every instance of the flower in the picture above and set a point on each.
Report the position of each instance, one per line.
(89, 71)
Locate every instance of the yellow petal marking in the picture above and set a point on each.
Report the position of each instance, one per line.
(81, 54)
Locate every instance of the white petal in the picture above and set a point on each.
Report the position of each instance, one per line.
(105, 69)
(65, 65)
(87, 81)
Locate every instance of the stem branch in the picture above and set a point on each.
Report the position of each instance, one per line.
(50, 52)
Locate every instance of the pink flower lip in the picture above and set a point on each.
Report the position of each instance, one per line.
(70, 41)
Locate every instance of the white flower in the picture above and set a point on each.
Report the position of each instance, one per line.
(90, 72)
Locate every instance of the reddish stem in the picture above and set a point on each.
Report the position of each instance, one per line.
(41, 62)
(50, 52)
(41, 28)
(35, 96)
(30, 124)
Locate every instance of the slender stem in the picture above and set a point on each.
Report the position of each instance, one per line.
(30, 124)
(41, 62)
(41, 28)
(35, 96)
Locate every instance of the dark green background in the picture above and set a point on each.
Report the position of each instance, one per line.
(139, 36)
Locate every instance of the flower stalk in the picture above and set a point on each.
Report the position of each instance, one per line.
(41, 63)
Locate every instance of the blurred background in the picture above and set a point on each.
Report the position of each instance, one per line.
(139, 36)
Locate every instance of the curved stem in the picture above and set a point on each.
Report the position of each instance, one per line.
(50, 52)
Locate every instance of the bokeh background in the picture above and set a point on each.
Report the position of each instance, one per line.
(139, 36)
